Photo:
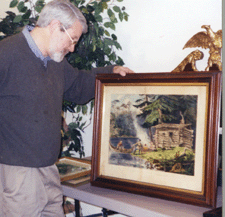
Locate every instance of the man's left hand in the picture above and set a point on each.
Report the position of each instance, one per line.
(122, 70)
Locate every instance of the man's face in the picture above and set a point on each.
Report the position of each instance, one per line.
(61, 42)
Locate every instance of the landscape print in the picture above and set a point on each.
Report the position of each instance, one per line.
(155, 132)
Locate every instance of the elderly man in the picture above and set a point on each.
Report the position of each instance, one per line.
(34, 79)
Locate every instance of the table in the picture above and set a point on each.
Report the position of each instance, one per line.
(134, 205)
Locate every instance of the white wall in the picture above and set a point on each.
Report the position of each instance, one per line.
(156, 32)
(154, 36)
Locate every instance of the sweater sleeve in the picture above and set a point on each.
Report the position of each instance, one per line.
(80, 84)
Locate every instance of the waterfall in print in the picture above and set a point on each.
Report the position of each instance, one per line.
(169, 148)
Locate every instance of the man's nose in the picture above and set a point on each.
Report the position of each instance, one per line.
(71, 48)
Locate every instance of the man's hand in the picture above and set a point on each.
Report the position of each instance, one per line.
(122, 70)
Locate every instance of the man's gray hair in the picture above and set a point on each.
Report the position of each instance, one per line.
(63, 11)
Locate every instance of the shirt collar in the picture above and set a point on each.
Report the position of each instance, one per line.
(33, 46)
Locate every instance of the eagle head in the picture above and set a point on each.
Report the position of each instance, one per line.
(205, 27)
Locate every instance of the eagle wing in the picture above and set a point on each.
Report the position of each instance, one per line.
(219, 33)
(201, 39)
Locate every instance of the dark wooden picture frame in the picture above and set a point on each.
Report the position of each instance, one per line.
(198, 187)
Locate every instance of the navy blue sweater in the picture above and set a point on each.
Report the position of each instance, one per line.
(31, 98)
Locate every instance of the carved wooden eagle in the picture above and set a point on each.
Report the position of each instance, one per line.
(208, 40)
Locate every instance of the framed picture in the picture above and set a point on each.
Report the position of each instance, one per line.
(73, 168)
(156, 134)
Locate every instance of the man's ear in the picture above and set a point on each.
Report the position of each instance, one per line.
(53, 25)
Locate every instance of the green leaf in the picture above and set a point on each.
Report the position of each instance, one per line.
(104, 5)
(90, 9)
(41, 2)
(108, 41)
(116, 9)
(114, 37)
(78, 108)
(17, 19)
(110, 12)
(125, 16)
(120, 62)
(94, 48)
(84, 10)
(107, 50)
(107, 24)
(24, 10)
(92, 105)
(78, 59)
(121, 16)
(107, 33)
(21, 7)
(98, 18)
(13, 3)
(113, 19)
(39, 5)
(38, 9)
(119, 0)
(117, 45)
(25, 23)
(100, 44)
(112, 16)
(98, 9)
(84, 109)
(112, 57)
(82, 125)
(110, 25)
(27, 15)
(76, 2)
(82, 2)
